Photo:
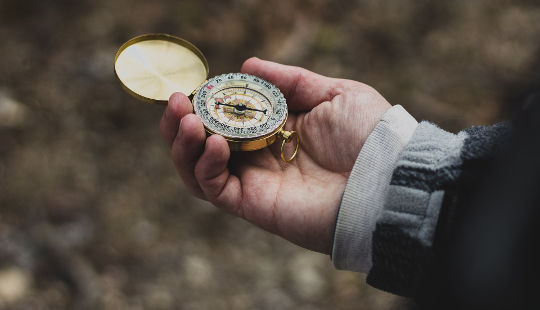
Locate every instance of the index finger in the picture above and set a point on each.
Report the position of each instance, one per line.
(302, 88)
(178, 107)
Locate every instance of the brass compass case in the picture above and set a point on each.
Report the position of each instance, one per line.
(247, 111)
(153, 66)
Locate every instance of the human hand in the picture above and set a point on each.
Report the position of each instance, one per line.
(298, 200)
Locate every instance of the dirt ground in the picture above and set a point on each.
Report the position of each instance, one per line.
(92, 213)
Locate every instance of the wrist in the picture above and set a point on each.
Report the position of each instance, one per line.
(366, 189)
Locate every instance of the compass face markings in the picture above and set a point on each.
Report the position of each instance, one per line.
(240, 106)
(240, 110)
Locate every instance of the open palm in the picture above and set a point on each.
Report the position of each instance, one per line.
(297, 200)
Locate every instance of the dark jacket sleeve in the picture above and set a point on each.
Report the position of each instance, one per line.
(425, 190)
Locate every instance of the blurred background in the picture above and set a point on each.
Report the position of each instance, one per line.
(92, 213)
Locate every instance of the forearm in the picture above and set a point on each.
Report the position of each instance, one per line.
(405, 228)
(366, 189)
(390, 209)
(431, 176)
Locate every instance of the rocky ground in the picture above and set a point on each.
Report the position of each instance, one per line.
(92, 214)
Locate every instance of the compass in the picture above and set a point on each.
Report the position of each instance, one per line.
(248, 111)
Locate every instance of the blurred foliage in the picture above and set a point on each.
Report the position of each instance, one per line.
(92, 214)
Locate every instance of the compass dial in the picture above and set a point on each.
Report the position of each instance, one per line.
(240, 106)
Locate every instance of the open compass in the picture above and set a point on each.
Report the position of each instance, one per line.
(247, 110)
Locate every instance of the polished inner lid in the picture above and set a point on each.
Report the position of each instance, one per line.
(153, 66)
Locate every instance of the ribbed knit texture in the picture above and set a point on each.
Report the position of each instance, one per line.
(427, 173)
(366, 189)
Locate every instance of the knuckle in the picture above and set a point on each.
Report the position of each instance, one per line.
(200, 172)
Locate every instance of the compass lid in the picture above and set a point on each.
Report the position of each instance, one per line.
(153, 66)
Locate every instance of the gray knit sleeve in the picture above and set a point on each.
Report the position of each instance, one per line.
(428, 166)
(366, 189)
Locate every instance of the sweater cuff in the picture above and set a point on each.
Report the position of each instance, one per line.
(366, 190)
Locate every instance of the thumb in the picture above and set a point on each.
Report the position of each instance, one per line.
(302, 88)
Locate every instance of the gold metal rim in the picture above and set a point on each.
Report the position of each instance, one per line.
(253, 144)
(250, 144)
(164, 37)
